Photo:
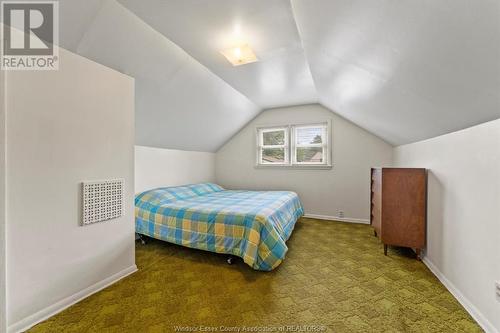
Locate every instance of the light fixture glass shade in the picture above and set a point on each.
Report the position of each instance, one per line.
(239, 55)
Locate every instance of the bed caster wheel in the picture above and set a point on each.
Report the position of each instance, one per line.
(141, 238)
(230, 260)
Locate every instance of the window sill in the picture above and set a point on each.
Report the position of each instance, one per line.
(295, 166)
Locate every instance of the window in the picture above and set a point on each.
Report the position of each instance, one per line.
(310, 144)
(273, 146)
(295, 145)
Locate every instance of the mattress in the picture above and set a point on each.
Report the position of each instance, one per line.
(253, 225)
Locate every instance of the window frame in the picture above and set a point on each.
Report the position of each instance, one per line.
(324, 145)
(284, 146)
(291, 146)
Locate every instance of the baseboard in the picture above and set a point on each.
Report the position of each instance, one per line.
(469, 307)
(53, 309)
(335, 218)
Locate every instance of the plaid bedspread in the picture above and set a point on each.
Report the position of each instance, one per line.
(253, 225)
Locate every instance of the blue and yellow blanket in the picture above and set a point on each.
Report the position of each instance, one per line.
(253, 225)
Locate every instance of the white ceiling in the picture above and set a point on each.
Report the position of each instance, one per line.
(405, 70)
(204, 28)
(180, 104)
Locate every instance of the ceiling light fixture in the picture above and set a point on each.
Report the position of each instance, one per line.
(240, 55)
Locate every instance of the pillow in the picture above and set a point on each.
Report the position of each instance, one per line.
(163, 195)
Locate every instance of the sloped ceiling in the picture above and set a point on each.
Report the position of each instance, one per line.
(404, 70)
(204, 28)
(180, 104)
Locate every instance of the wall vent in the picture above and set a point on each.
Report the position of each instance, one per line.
(101, 200)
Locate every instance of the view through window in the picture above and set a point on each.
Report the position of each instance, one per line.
(293, 145)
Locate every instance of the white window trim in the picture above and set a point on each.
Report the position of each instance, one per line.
(285, 146)
(325, 145)
(290, 146)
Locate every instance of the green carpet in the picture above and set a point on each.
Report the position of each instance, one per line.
(335, 278)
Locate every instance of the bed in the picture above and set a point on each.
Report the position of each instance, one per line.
(253, 225)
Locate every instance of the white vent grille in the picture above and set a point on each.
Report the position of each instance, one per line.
(102, 200)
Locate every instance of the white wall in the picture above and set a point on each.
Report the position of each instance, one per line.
(64, 127)
(3, 319)
(345, 187)
(463, 226)
(158, 167)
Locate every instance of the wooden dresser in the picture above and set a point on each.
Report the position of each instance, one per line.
(398, 206)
